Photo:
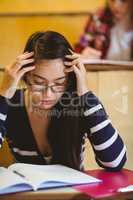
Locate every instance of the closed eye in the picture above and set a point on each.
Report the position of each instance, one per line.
(38, 82)
(60, 83)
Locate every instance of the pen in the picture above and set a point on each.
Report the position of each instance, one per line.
(18, 173)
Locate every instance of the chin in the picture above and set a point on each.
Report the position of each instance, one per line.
(119, 17)
(46, 106)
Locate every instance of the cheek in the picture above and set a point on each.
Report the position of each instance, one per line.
(35, 98)
(125, 9)
(58, 96)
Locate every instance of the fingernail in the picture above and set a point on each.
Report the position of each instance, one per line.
(71, 50)
(30, 52)
(68, 55)
(65, 63)
(99, 53)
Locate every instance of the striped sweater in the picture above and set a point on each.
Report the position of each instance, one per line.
(109, 149)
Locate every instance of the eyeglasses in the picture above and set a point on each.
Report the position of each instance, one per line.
(56, 88)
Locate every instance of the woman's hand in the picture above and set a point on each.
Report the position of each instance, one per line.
(78, 67)
(13, 74)
(91, 53)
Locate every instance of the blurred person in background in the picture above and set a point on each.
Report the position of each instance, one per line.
(108, 33)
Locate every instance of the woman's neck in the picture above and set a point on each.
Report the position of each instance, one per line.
(124, 23)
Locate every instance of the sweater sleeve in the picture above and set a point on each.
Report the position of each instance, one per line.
(109, 149)
(3, 116)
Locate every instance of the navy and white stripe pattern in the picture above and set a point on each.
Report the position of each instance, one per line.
(108, 146)
(1, 140)
(109, 149)
(24, 153)
(3, 116)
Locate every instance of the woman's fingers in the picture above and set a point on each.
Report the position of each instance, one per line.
(70, 69)
(14, 72)
(22, 57)
(27, 61)
(25, 55)
(73, 56)
(75, 65)
(74, 62)
(18, 65)
(71, 51)
(25, 70)
(77, 71)
(73, 69)
(77, 62)
(70, 63)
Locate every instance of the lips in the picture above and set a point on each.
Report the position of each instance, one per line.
(117, 13)
(47, 102)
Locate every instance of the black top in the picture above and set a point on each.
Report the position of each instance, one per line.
(109, 150)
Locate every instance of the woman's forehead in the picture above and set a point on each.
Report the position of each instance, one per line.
(50, 62)
(50, 69)
(44, 78)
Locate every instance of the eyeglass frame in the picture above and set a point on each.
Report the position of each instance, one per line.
(44, 88)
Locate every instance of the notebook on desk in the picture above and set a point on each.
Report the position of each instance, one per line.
(26, 177)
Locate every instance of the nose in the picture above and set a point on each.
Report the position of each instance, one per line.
(117, 4)
(48, 92)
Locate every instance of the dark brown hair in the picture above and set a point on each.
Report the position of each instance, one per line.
(64, 132)
(110, 17)
(131, 12)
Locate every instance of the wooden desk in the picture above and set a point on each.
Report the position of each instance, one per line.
(67, 193)
(106, 65)
(107, 68)
(61, 194)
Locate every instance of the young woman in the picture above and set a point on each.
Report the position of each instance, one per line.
(48, 122)
(109, 32)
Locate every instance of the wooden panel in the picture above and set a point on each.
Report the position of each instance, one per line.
(15, 31)
(126, 65)
(48, 5)
(115, 90)
(93, 81)
(116, 93)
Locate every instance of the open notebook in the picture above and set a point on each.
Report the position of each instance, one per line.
(25, 177)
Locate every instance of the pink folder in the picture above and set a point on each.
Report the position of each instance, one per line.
(111, 182)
